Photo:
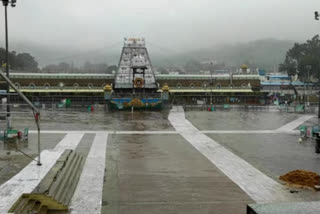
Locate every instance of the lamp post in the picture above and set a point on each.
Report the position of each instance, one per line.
(5, 4)
(316, 17)
(6, 78)
(308, 67)
(211, 70)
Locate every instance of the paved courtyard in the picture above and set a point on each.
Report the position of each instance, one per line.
(165, 162)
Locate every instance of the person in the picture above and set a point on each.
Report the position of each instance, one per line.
(92, 107)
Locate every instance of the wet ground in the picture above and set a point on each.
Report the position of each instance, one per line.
(164, 173)
(239, 120)
(83, 120)
(12, 161)
(273, 154)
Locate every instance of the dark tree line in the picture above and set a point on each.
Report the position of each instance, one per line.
(25, 62)
(303, 60)
(19, 61)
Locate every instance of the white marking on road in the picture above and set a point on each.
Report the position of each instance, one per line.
(294, 124)
(170, 132)
(69, 131)
(146, 132)
(102, 132)
(88, 195)
(70, 141)
(29, 177)
(257, 185)
(293, 132)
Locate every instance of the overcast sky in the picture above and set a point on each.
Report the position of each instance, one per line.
(175, 24)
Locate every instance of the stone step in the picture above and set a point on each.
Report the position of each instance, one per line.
(36, 207)
(54, 175)
(73, 186)
(43, 210)
(66, 183)
(56, 186)
(18, 206)
(55, 190)
(28, 206)
(73, 181)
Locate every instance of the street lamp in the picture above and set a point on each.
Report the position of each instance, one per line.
(316, 17)
(211, 70)
(35, 111)
(308, 67)
(5, 4)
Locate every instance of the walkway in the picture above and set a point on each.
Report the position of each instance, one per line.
(257, 185)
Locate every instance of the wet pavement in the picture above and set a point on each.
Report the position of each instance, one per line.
(273, 154)
(98, 120)
(12, 161)
(239, 120)
(312, 122)
(164, 173)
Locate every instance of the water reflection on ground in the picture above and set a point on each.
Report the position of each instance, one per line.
(239, 120)
(98, 120)
(273, 154)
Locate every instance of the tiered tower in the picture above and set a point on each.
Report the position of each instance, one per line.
(135, 69)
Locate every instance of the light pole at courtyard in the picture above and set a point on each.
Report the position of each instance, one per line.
(316, 17)
(211, 71)
(5, 4)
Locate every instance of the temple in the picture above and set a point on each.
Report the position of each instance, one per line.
(135, 69)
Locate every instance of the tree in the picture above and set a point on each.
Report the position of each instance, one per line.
(112, 68)
(303, 59)
(21, 61)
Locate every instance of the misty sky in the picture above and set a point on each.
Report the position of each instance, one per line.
(174, 24)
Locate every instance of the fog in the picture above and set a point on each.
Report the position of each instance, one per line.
(167, 25)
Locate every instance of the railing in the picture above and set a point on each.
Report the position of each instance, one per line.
(14, 75)
(221, 107)
(211, 88)
(140, 95)
(61, 88)
(61, 76)
(35, 111)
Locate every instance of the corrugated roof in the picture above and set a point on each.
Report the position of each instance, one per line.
(184, 90)
(111, 76)
(274, 83)
(209, 90)
(60, 90)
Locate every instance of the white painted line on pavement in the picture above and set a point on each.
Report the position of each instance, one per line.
(172, 132)
(293, 132)
(88, 195)
(102, 132)
(294, 124)
(145, 132)
(257, 185)
(68, 131)
(70, 141)
(29, 177)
